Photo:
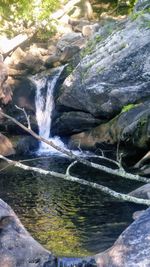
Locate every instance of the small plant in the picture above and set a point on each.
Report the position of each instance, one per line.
(128, 107)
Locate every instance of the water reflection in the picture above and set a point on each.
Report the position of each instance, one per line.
(67, 218)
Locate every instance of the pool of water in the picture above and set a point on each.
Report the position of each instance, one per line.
(67, 218)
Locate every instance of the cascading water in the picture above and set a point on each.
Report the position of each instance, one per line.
(44, 103)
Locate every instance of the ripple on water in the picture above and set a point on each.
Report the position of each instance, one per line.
(67, 218)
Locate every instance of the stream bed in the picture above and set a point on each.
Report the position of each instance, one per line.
(69, 219)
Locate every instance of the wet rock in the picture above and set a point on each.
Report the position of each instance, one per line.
(26, 145)
(141, 192)
(132, 248)
(6, 147)
(52, 61)
(73, 122)
(114, 71)
(17, 247)
(131, 127)
(137, 214)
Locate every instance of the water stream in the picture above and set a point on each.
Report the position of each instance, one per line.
(44, 103)
(70, 219)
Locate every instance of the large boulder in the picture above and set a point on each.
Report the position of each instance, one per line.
(131, 127)
(132, 248)
(73, 122)
(113, 72)
(24, 91)
(17, 247)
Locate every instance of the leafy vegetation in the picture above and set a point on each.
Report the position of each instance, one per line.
(128, 107)
(18, 15)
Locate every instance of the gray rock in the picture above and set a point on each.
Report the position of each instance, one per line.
(17, 247)
(141, 192)
(114, 73)
(68, 40)
(132, 248)
(26, 145)
(73, 122)
(141, 5)
(68, 53)
(131, 128)
(89, 30)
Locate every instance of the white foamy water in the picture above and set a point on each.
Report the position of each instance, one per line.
(44, 103)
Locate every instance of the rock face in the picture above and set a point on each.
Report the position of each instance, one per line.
(113, 73)
(73, 122)
(132, 248)
(130, 127)
(24, 92)
(17, 247)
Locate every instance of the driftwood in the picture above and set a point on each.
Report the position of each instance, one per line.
(85, 6)
(142, 161)
(9, 45)
(116, 172)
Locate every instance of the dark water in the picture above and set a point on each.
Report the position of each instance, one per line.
(67, 218)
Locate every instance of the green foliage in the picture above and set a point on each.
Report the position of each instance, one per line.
(91, 45)
(18, 15)
(128, 107)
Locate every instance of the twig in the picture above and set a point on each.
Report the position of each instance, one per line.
(69, 167)
(26, 116)
(116, 172)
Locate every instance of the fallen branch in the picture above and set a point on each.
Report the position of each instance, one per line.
(65, 10)
(26, 116)
(68, 177)
(116, 172)
(8, 46)
(143, 160)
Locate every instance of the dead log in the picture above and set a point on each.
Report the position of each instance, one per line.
(8, 45)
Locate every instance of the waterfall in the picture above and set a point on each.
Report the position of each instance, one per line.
(44, 104)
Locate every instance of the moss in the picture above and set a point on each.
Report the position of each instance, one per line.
(128, 107)
(91, 46)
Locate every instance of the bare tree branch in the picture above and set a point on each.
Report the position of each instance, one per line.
(26, 116)
(142, 161)
(68, 177)
(69, 167)
(116, 172)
